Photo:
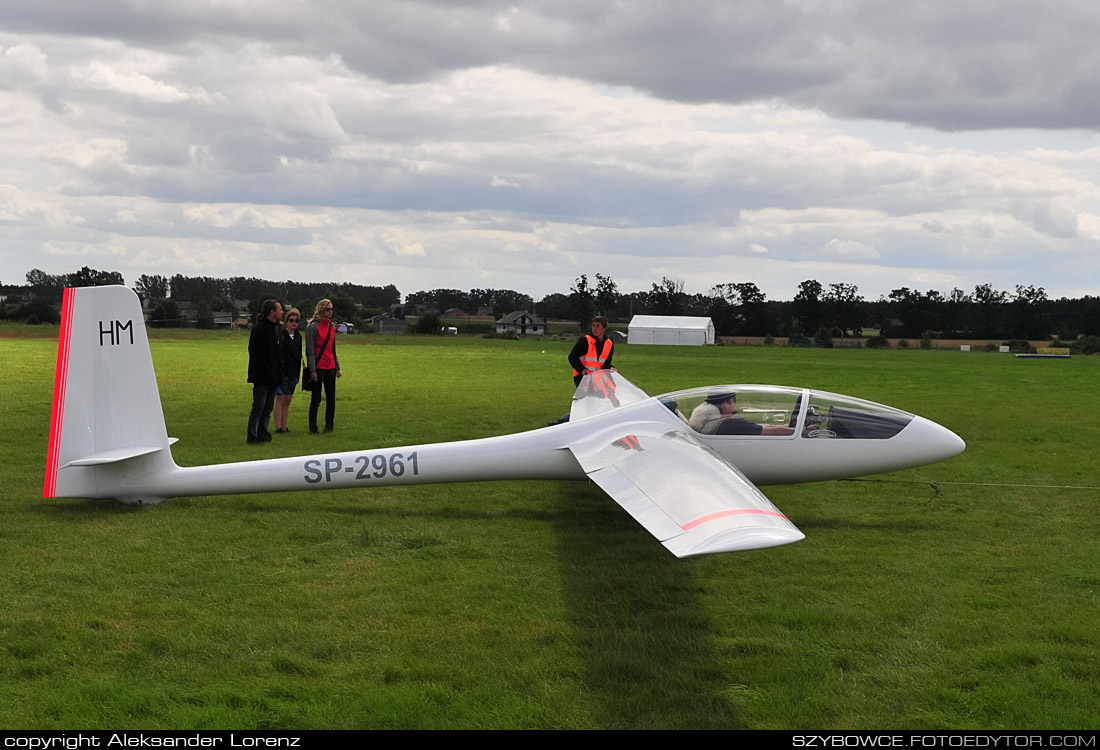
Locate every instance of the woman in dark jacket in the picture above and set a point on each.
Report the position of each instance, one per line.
(290, 343)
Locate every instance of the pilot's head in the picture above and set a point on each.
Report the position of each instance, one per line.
(726, 401)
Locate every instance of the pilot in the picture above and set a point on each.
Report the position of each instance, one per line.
(715, 417)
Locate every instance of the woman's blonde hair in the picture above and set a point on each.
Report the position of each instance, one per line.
(320, 306)
(291, 311)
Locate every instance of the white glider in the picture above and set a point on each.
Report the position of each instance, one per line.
(696, 491)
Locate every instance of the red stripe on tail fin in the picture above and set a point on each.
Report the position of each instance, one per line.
(61, 375)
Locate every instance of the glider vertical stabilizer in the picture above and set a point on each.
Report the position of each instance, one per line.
(107, 423)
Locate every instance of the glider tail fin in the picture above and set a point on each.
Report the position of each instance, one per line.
(107, 426)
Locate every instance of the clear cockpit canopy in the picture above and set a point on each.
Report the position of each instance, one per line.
(784, 412)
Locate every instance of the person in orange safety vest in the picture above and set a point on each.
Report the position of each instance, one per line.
(592, 352)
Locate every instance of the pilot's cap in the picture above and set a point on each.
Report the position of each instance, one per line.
(718, 397)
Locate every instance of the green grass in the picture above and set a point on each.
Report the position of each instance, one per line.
(542, 604)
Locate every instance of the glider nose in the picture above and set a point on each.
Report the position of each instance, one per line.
(932, 442)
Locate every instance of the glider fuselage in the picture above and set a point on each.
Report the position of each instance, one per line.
(544, 454)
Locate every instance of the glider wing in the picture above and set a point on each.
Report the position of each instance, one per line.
(682, 491)
(601, 391)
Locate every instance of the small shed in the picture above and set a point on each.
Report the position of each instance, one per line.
(387, 324)
(671, 330)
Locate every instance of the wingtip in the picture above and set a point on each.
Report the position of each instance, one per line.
(735, 539)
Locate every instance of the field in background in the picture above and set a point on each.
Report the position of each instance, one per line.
(542, 604)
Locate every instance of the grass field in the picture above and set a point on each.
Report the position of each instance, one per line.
(542, 604)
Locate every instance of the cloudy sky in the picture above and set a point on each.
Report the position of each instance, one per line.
(882, 143)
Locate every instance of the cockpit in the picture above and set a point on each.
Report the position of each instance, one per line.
(778, 412)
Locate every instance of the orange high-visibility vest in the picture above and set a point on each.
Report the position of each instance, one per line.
(591, 361)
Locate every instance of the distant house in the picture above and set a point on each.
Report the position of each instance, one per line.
(224, 319)
(388, 324)
(522, 323)
(484, 311)
(410, 308)
(671, 330)
(456, 312)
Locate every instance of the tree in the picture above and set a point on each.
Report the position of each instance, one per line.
(45, 286)
(607, 295)
(39, 310)
(91, 277)
(153, 288)
(503, 301)
(582, 304)
(1027, 319)
(555, 305)
(723, 311)
(198, 288)
(955, 310)
(988, 308)
(844, 308)
(203, 317)
(754, 310)
(343, 307)
(165, 315)
(668, 297)
(807, 307)
(428, 323)
(908, 306)
(739, 309)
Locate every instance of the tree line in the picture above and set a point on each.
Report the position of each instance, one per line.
(204, 295)
(816, 311)
(826, 311)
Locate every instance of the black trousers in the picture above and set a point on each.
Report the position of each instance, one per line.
(325, 379)
(263, 401)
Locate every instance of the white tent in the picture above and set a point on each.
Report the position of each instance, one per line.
(672, 330)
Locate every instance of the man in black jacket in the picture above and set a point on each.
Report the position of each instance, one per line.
(264, 369)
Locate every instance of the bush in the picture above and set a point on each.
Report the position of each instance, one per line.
(903, 343)
(823, 339)
(38, 311)
(926, 341)
(1087, 345)
(165, 315)
(878, 342)
(428, 323)
(203, 317)
(1019, 346)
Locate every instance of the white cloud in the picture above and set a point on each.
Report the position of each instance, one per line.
(22, 63)
(397, 241)
(99, 76)
(845, 248)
